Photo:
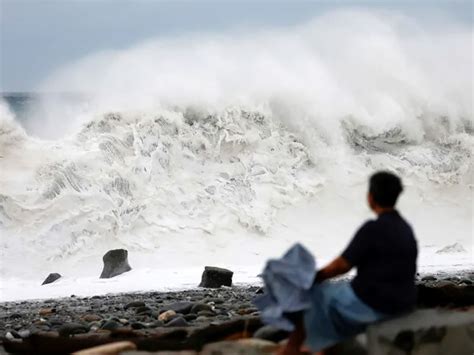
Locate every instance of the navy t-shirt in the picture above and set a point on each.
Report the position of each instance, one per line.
(384, 252)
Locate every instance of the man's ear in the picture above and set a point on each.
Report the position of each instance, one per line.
(370, 201)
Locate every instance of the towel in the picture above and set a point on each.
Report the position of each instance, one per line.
(287, 281)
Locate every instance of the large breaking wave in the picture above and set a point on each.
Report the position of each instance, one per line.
(212, 133)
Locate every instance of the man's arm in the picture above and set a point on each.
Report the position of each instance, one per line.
(335, 268)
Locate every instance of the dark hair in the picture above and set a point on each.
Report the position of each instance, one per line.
(385, 188)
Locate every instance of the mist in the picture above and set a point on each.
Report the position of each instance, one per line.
(383, 69)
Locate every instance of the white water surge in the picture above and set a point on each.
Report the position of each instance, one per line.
(225, 150)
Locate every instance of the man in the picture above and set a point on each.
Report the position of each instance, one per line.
(384, 251)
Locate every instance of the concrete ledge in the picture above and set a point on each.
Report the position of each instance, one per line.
(424, 332)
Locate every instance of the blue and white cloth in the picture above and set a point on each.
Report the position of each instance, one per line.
(287, 286)
(331, 311)
(336, 314)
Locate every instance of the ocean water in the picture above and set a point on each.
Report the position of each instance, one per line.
(225, 150)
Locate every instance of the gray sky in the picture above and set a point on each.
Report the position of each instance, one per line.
(38, 36)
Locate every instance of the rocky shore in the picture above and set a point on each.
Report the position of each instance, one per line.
(185, 320)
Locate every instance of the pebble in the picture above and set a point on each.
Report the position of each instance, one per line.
(134, 304)
(110, 325)
(206, 313)
(138, 325)
(91, 317)
(10, 336)
(190, 317)
(25, 333)
(73, 328)
(143, 310)
(179, 307)
(199, 307)
(46, 311)
(177, 322)
(167, 315)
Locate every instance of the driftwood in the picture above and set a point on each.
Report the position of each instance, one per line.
(197, 338)
(108, 349)
(159, 339)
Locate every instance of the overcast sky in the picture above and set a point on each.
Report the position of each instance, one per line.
(38, 36)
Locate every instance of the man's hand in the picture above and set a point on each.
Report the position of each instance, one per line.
(337, 267)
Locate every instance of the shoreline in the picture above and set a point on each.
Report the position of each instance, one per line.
(196, 313)
(451, 275)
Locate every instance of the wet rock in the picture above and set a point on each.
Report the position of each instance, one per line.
(199, 307)
(134, 304)
(179, 307)
(167, 316)
(268, 332)
(214, 277)
(190, 317)
(206, 313)
(138, 325)
(453, 248)
(214, 301)
(25, 333)
(94, 326)
(115, 263)
(445, 293)
(202, 319)
(51, 278)
(46, 311)
(111, 325)
(443, 283)
(157, 324)
(13, 334)
(177, 322)
(143, 310)
(428, 278)
(72, 328)
(91, 318)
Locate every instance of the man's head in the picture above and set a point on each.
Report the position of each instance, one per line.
(384, 189)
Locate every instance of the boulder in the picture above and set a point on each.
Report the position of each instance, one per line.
(215, 277)
(115, 263)
(51, 278)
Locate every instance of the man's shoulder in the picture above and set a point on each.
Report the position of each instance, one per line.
(368, 224)
(367, 228)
